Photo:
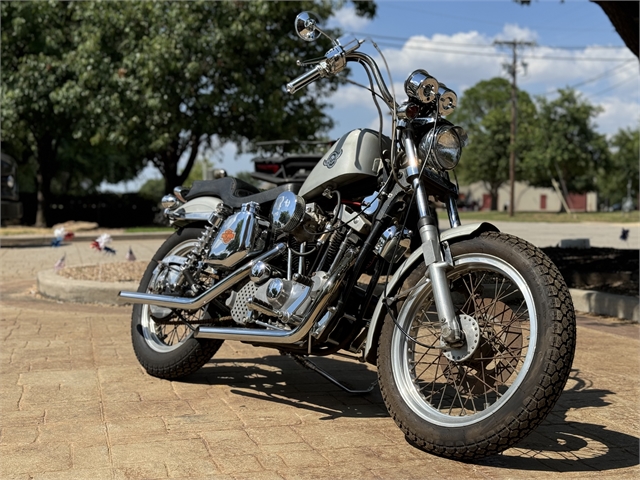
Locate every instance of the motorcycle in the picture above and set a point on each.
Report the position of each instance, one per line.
(280, 167)
(472, 330)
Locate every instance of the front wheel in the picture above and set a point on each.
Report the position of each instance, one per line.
(167, 349)
(483, 397)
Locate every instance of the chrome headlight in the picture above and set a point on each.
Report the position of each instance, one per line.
(444, 146)
(421, 86)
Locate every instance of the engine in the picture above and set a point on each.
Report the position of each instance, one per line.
(280, 298)
(270, 292)
(284, 302)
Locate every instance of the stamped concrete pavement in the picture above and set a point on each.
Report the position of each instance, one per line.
(74, 403)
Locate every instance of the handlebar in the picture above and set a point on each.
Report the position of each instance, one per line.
(335, 60)
(305, 79)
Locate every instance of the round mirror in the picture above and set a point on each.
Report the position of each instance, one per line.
(306, 27)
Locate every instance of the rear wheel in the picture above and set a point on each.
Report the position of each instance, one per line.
(166, 348)
(485, 396)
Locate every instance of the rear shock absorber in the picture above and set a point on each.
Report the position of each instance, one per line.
(195, 256)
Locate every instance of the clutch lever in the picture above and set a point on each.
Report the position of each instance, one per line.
(306, 63)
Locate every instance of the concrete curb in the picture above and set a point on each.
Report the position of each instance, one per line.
(52, 285)
(45, 240)
(619, 306)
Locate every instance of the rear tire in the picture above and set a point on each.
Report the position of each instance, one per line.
(483, 398)
(169, 351)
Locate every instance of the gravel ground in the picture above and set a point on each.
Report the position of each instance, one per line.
(107, 272)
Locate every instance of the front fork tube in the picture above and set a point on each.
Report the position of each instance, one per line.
(451, 333)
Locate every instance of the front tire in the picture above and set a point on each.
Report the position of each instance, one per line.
(482, 398)
(169, 351)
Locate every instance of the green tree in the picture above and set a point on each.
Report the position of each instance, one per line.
(174, 74)
(152, 189)
(566, 145)
(485, 114)
(43, 116)
(625, 148)
(94, 90)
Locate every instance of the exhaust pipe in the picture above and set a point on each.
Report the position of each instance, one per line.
(204, 298)
(287, 337)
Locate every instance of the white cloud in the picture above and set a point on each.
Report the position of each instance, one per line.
(512, 31)
(547, 69)
(347, 19)
(618, 113)
(350, 96)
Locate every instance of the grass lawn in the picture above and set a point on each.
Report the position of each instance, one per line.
(148, 229)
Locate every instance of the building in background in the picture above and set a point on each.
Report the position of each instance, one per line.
(527, 199)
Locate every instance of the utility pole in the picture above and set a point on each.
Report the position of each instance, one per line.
(512, 69)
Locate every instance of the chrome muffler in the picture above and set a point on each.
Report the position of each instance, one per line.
(204, 298)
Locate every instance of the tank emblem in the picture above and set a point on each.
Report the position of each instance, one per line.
(331, 160)
(227, 236)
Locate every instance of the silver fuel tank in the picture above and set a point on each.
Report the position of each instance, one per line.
(353, 158)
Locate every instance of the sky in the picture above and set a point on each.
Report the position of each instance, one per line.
(576, 46)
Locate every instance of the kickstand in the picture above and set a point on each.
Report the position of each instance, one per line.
(306, 363)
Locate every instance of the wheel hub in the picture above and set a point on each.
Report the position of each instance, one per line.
(471, 331)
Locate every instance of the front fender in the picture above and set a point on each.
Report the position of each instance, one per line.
(197, 210)
(452, 235)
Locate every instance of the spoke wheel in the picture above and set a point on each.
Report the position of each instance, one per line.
(167, 349)
(166, 337)
(436, 384)
(482, 397)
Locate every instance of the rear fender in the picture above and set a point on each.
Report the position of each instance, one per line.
(452, 235)
(198, 210)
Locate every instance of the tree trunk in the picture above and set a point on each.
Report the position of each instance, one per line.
(41, 220)
(46, 159)
(170, 161)
(193, 154)
(171, 178)
(494, 199)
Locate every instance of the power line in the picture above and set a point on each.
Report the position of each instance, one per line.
(612, 87)
(487, 45)
(593, 79)
(602, 75)
(482, 54)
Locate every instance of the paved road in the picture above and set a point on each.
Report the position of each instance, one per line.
(550, 234)
(75, 404)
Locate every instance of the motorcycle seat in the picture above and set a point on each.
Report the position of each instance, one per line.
(234, 192)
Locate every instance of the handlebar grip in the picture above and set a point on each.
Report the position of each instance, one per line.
(305, 79)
